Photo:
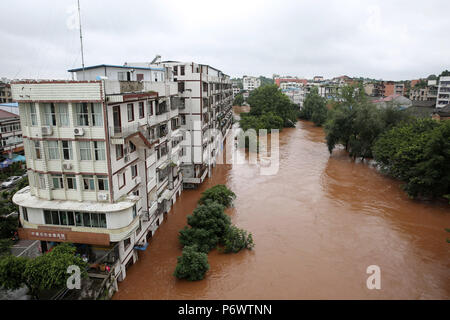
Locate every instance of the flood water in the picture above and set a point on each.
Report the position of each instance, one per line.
(317, 225)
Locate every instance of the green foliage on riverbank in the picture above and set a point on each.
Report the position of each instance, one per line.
(45, 272)
(238, 100)
(269, 105)
(314, 108)
(209, 227)
(356, 123)
(418, 153)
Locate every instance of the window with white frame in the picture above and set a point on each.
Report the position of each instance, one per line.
(37, 150)
(53, 150)
(85, 150)
(49, 114)
(67, 150)
(33, 114)
(71, 182)
(57, 181)
(99, 150)
(102, 182)
(97, 114)
(63, 115)
(41, 181)
(82, 114)
(88, 183)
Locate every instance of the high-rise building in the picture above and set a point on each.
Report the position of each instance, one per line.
(443, 94)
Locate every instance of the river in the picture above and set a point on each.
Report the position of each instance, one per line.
(317, 225)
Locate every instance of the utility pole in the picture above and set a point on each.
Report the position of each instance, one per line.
(81, 39)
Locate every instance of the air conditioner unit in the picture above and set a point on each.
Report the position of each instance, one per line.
(137, 180)
(46, 131)
(102, 197)
(67, 166)
(78, 131)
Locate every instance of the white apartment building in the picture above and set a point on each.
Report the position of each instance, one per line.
(251, 83)
(443, 94)
(103, 157)
(10, 133)
(207, 95)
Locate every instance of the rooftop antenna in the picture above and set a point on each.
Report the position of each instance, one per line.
(81, 39)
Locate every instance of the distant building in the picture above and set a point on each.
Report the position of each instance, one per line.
(279, 80)
(11, 140)
(5, 93)
(394, 100)
(429, 93)
(251, 83)
(443, 94)
(318, 79)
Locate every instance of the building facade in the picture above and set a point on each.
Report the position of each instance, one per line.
(5, 93)
(103, 159)
(206, 118)
(250, 83)
(10, 133)
(443, 94)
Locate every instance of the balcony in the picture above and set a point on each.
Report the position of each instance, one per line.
(136, 133)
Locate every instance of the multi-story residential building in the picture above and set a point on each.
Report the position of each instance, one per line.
(295, 94)
(103, 156)
(318, 79)
(206, 118)
(443, 94)
(428, 93)
(236, 90)
(251, 83)
(399, 88)
(10, 133)
(5, 93)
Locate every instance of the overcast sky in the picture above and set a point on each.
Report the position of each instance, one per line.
(391, 40)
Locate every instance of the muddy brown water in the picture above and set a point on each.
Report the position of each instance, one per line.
(317, 225)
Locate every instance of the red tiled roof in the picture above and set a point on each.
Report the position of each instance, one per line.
(5, 114)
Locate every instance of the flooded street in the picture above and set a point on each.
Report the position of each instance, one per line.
(317, 225)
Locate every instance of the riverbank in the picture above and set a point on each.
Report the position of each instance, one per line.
(318, 224)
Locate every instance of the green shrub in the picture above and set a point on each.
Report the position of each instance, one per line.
(219, 193)
(192, 265)
(205, 240)
(237, 239)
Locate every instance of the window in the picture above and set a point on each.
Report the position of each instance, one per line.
(70, 218)
(37, 150)
(67, 150)
(47, 217)
(82, 114)
(63, 218)
(139, 229)
(57, 181)
(25, 213)
(102, 183)
(85, 150)
(33, 115)
(134, 211)
(102, 220)
(97, 116)
(49, 114)
(182, 70)
(150, 108)
(86, 219)
(119, 151)
(71, 182)
(88, 183)
(126, 243)
(55, 218)
(130, 112)
(41, 181)
(63, 115)
(53, 150)
(132, 147)
(175, 70)
(79, 219)
(134, 171)
(99, 150)
(141, 110)
(94, 220)
(121, 178)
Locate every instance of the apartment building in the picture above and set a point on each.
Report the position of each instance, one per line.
(251, 83)
(429, 93)
(5, 93)
(10, 133)
(103, 158)
(279, 80)
(207, 116)
(443, 94)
